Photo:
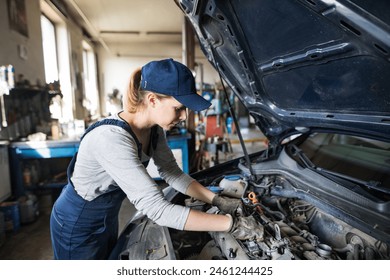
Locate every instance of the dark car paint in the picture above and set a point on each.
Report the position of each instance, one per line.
(299, 65)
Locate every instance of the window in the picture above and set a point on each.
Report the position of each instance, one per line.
(91, 101)
(49, 50)
(51, 62)
(55, 43)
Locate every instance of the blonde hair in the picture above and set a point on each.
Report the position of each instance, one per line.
(134, 99)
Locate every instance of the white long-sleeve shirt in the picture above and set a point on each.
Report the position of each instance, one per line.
(108, 155)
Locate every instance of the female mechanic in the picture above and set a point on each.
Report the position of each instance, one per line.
(111, 165)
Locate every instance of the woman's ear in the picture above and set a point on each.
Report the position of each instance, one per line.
(152, 99)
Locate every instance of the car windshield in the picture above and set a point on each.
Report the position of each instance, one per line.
(363, 159)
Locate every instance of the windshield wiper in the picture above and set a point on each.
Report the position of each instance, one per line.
(372, 185)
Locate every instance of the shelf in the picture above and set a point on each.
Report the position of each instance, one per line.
(48, 153)
(45, 149)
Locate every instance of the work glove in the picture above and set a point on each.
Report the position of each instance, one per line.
(246, 228)
(232, 206)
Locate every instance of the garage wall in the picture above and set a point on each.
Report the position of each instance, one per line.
(76, 57)
(116, 65)
(30, 63)
(114, 70)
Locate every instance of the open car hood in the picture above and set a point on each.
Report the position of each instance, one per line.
(302, 65)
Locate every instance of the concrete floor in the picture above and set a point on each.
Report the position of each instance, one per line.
(32, 241)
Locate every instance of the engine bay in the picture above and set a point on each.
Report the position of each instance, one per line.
(295, 228)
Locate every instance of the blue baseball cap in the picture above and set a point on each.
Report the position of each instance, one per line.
(172, 78)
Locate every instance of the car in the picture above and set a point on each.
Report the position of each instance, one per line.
(314, 76)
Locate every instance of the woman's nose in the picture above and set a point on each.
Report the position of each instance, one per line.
(183, 115)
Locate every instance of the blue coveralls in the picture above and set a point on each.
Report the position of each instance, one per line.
(82, 229)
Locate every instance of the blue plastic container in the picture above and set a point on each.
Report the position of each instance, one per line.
(11, 215)
(215, 189)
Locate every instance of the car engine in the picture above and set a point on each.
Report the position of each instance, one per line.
(294, 228)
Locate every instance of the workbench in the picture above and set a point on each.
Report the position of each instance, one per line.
(24, 155)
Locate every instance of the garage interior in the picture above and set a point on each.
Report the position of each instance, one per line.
(65, 64)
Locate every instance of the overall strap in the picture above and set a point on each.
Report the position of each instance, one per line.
(154, 137)
(119, 123)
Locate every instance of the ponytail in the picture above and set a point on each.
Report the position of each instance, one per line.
(135, 95)
(134, 98)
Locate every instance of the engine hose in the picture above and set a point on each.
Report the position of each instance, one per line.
(274, 201)
(303, 196)
(280, 215)
(261, 186)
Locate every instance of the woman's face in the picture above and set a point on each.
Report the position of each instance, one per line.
(169, 112)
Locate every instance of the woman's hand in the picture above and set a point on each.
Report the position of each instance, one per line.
(246, 228)
(198, 191)
(232, 206)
